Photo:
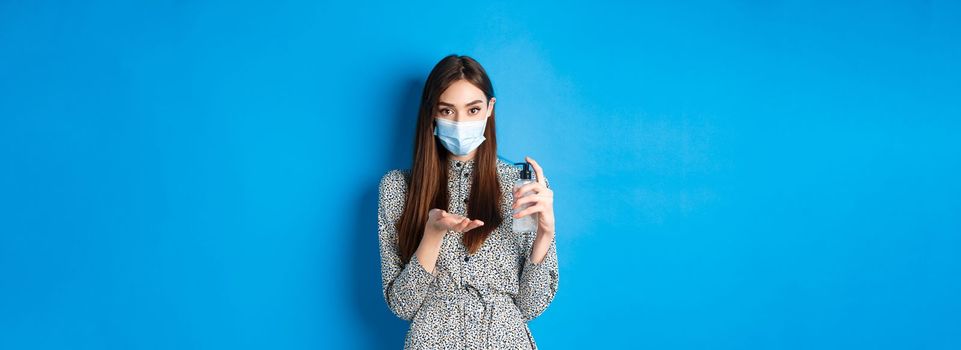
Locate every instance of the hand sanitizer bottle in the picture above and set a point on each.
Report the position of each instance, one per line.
(527, 223)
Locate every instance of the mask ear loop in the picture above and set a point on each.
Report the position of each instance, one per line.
(490, 107)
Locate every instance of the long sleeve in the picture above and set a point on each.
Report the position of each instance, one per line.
(405, 286)
(538, 282)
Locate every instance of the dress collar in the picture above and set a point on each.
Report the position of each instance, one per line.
(458, 164)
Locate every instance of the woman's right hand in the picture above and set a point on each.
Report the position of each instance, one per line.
(439, 221)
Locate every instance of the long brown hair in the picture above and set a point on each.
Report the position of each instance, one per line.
(428, 182)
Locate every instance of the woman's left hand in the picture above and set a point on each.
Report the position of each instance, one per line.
(541, 200)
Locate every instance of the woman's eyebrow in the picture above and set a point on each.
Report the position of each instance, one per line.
(452, 105)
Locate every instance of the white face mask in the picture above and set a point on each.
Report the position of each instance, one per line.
(460, 138)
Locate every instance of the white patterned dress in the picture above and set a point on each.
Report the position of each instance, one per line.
(481, 301)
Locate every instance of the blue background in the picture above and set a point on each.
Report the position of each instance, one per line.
(734, 175)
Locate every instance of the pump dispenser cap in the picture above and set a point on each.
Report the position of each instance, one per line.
(526, 171)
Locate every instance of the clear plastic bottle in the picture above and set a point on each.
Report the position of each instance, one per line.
(527, 223)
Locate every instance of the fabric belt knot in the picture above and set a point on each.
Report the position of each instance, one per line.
(489, 301)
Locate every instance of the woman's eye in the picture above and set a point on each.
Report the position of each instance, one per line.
(474, 110)
(445, 111)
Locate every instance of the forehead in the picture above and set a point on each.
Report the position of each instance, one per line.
(462, 92)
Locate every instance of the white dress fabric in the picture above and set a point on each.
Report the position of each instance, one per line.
(481, 301)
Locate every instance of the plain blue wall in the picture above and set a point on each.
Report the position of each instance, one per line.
(741, 175)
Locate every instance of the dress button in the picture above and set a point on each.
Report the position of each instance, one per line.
(466, 258)
(466, 174)
(457, 164)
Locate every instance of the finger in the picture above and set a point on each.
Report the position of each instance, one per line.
(537, 169)
(526, 188)
(526, 199)
(451, 222)
(537, 187)
(533, 200)
(462, 225)
(437, 214)
(531, 210)
(443, 213)
(473, 224)
(467, 226)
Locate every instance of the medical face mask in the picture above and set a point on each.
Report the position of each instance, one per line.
(460, 138)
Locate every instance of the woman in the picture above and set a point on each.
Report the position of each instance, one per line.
(450, 262)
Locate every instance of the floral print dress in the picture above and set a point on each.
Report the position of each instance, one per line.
(479, 301)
